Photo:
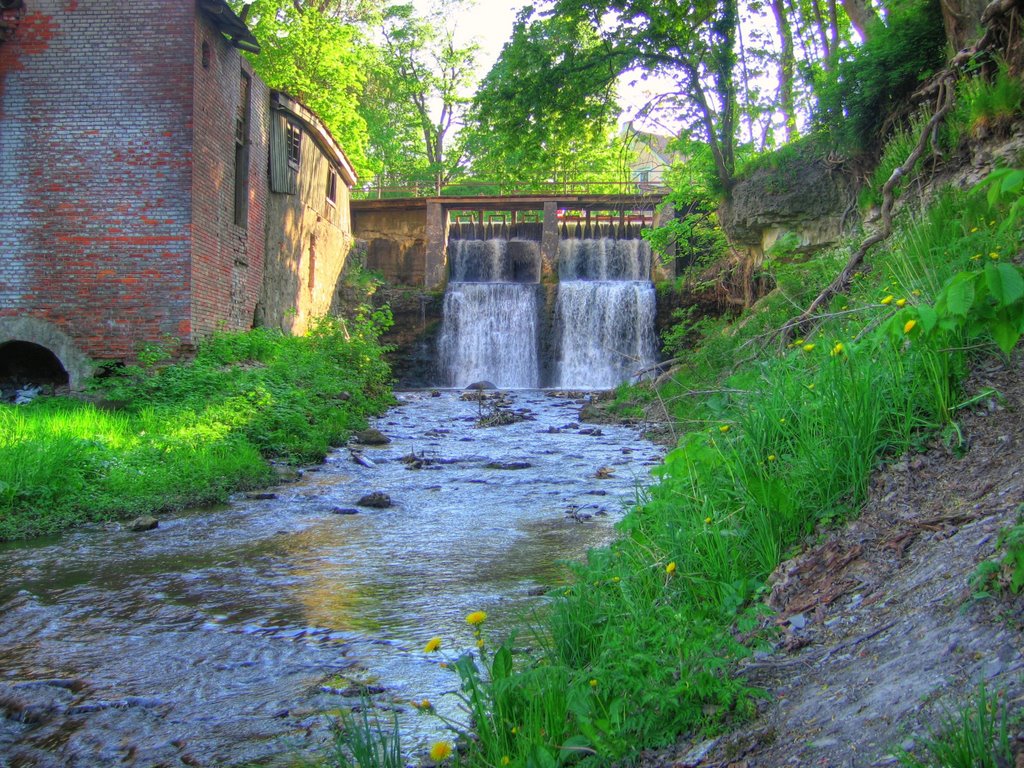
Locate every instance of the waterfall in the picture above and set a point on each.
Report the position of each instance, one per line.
(490, 327)
(602, 323)
(604, 313)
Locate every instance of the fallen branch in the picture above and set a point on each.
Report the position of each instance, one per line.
(841, 283)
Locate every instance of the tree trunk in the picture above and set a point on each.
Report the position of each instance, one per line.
(787, 64)
(962, 19)
(862, 16)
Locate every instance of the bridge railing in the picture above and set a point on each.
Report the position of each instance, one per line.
(491, 189)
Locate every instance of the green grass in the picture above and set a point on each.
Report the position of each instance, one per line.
(188, 433)
(643, 646)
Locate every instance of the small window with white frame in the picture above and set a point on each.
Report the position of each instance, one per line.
(332, 186)
(294, 141)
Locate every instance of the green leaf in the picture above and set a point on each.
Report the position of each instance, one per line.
(501, 667)
(926, 318)
(539, 757)
(958, 297)
(573, 747)
(1005, 334)
(1004, 283)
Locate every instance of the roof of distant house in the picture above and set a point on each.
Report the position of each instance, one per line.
(231, 25)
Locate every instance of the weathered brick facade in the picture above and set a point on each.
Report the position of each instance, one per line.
(118, 174)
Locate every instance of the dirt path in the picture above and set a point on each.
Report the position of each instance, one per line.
(881, 636)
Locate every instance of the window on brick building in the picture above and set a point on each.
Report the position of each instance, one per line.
(242, 151)
(332, 186)
(294, 143)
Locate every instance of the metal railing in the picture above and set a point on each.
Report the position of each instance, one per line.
(506, 189)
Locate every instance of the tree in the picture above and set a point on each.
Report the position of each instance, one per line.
(316, 58)
(423, 78)
(546, 112)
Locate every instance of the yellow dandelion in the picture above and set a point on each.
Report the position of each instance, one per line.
(772, 457)
(909, 326)
(838, 349)
(480, 643)
(724, 428)
(476, 617)
(593, 682)
(432, 645)
(707, 521)
(670, 568)
(808, 347)
(810, 386)
(888, 299)
(915, 292)
(782, 420)
(425, 704)
(973, 230)
(976, 257)
(441, 750)
(514, 730)
(798, 342)
(616, 579)
(994, 256)
(901, 302)
(505, 759)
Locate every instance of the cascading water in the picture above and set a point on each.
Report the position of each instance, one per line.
(604, 314)
(490, 329)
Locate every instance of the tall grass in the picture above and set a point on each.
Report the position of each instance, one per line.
(643, 645)
(189, 433)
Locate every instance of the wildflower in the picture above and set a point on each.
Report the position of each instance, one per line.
(888, 299)
(909, 326)
(915, 292)
(480, 643)
(973, 230)
(771, 457)
(514, 730)
(838, 349)
(901, 302)
(724, 428)
(505, 760)
(810, 386)
(476, 617)
(808, 347)
(845, 307)
(593, 682)
(616, 579)
(432, 645)
(707, 521)
(782, 420)
(994, 256)
(441, 750)
(670, 568)
(798, 342)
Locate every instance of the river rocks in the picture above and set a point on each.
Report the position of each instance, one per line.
(261, 496)
(144, 523)
(286, 474)
(478, 386)
(371, 437)
(375, 500)
(603, 473)
(344, 510)
(508, 465)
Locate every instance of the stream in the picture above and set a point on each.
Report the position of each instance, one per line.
(228, 635)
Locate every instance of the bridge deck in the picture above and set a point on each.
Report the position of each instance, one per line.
(579, 202)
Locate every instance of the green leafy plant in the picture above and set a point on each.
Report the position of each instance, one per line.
(1005, 573)
(975, 737)
(362, 740)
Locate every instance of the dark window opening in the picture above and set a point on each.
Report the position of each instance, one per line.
(26, 368)
(242, 152)
(294, 143)
(206, 55)
(332, 186)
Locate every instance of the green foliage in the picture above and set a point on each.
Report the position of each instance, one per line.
(362, 741)
(320, 59)
(898, 148)
(1005, 573)
(190, 433)
(857, 97)
(985, 106)
(976, 737)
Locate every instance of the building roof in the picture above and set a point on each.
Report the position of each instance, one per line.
(230, 24)
(316, 129)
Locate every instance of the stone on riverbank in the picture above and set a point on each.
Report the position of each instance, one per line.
(144, 523)
(375, 500)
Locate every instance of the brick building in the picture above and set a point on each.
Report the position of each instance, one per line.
(135, 143)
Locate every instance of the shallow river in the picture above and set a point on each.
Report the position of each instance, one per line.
(225, 635)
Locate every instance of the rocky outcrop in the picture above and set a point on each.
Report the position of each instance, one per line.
(807, 193)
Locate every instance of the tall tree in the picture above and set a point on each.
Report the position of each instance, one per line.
(317, 58)
(430, 75)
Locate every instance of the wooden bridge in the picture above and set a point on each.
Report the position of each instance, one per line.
(408, 237)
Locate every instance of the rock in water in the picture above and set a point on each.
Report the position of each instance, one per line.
(377, 500)
(144, 523)
(372, 437)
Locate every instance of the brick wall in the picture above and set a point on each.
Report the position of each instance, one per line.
(95, 178)
(227, 269)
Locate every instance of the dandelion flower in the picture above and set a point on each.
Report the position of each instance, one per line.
(476, 617)
(616, 579)
(901, 302)
(782, 420)
(505, 760)
(888, 299)
(798, 342)
(670, 568)
(480, 643)
(838, 349)
(771, 457)
(973, 230)
(707, 520)
(724, 428)
(808, 347)
(441, 750)
(994, 256)
(593, 682)
(909, 326)
(915, 292)
(432, 645)
(976, 257)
